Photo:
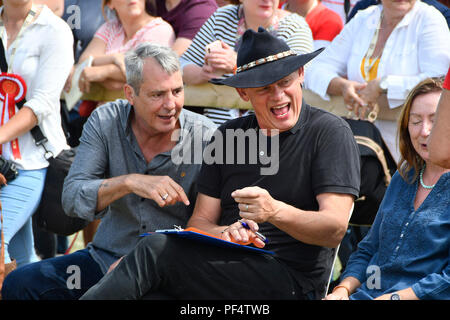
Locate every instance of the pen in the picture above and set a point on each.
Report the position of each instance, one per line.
(258, 234)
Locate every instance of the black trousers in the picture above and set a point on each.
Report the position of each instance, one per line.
(168, 266)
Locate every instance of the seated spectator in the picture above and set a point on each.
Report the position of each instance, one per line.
(123, 173)
(223, 31)
(325, 24)
(363, 4)
(383, 52)
(341, 7)
(132, 25)
(439, 139)
(405, 255)
(302, 206)
(38, 52)
(185, 16)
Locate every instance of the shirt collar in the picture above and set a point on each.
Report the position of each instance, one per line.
(407, 19)
(304, 112)
(43, 17)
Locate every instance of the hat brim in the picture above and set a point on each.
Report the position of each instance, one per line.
(268, 72)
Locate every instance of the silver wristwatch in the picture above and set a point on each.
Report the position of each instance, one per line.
(395, 296)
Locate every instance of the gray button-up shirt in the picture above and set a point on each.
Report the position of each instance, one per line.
(108, 148)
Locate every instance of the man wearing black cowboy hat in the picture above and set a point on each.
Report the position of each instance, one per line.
(302, 209)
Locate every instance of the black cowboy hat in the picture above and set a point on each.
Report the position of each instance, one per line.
(264, 59)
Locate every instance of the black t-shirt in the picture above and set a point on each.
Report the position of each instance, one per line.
(318, 155)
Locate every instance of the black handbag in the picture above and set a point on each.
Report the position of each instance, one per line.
(50, 215)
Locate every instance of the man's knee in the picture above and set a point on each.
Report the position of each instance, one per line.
(18, 285)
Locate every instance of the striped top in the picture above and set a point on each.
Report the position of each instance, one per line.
(223, 25)
(113, 34)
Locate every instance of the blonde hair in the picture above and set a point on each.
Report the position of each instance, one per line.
(410, 159)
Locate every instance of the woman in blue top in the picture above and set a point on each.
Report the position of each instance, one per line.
(406, 253)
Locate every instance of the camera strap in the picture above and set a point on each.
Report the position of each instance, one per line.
(36, 132)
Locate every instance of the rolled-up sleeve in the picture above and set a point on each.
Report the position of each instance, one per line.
(79, 196)
(55, 62)
(435, 286)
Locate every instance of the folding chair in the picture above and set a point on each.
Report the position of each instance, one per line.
(335, 257)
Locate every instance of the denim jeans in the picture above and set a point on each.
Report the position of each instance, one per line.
(66, 277)
(20, 199)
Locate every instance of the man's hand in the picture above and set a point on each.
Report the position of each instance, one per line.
(256, 204)
(237, 233)
(114, 265)
(162, 189)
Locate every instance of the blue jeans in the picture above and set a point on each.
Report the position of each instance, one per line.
(20, 199)
(65, 277)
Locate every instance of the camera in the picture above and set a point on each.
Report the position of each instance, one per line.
(8, 169)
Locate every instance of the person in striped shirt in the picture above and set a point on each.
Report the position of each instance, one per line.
(224, 29)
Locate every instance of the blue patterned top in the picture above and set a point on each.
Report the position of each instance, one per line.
(404, 247)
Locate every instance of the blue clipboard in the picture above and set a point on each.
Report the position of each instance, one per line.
(206, 239)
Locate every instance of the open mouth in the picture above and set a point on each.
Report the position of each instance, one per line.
(166, 118)
(281, 111)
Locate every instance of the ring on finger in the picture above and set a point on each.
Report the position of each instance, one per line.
(165, 196)
(246, 207)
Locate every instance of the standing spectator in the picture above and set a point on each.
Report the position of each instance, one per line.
(225, 28)
(185, 16)
(325, 24)
(384, 51)
(38, 49)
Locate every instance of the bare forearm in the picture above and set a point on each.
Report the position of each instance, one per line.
(108, 72)
(206, 225)
(193, 75)
(22, 122)
(181, 45)
(336, 86)
(312, 227)
(111, 190)
(350, 284)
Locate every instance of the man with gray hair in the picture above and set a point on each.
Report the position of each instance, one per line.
(124, 175)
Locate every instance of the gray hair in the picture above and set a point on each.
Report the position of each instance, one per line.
(135, 58)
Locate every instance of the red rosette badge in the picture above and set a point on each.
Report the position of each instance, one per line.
(12, 90)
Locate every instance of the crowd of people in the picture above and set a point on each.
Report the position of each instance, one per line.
(146, 162)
